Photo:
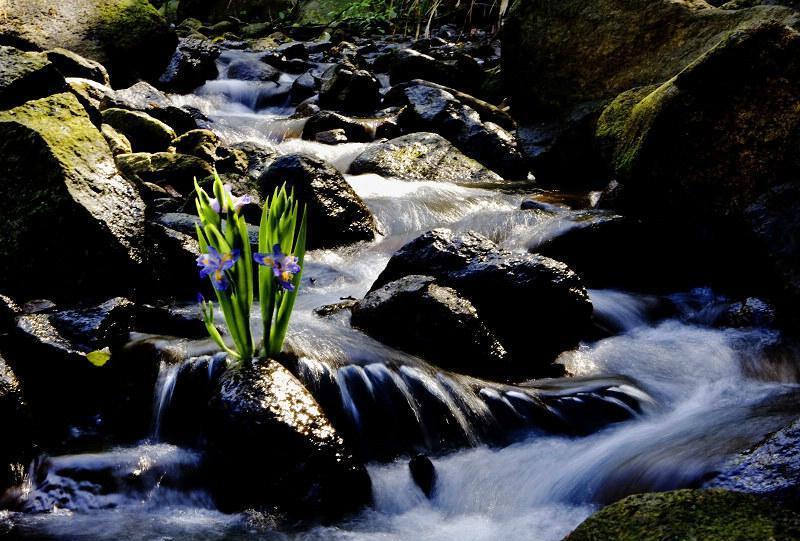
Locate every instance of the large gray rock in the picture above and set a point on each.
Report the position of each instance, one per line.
(65, 205)
(128, 37)
(437, 324)
(421, 156)
(336, 215)
(25, 76)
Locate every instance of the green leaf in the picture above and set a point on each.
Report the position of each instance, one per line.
(99, 357)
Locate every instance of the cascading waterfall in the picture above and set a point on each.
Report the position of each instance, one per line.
(694, 395)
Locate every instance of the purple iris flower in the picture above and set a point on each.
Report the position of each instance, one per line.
(213, 264)
(284, 267)
(238, 202)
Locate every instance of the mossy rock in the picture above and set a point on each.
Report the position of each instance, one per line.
(64, 202)
(164, 169)
(707, 515)
(558, 54)
(129, 37)
(146, 134)
(712, 139)
(26, 75)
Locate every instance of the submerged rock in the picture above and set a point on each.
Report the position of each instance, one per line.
(300, 463)
(336, 215)
(421, 156)
(128, 37)
(557, 306)
(25, 76)
(770, 469)
(66, 201)
(145, 133)
(416, 315)
(711, 515)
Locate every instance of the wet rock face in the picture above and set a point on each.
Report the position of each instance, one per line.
(336, 215)
(349, 89)
(128, 37)
(59, 176)
(610, 46)
(771, 469)
(300, 463)
(25, 75)
(714, 515)
(192, 64)
(435, 322)
(16, 448)
(421, 156)
(557, 306)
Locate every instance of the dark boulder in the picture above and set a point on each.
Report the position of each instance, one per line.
(301, 465)
(437, 324)
(303, 88)
(178, 171)
(252, 70)
(347, 88)
(172, 258)
(25, 76)
(421, 156)
(145, 133)
(16, 448)
(331, 137)
(192, 64)
(128, 37)
(70, 64)
(336, 215)
(557, 306)
(711, 515)
(423, 473)
(59, 176)
(356, 131)
(771, 469)
(145, 98)
(462, 73)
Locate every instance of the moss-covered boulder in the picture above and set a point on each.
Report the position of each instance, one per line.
(164, 169)
(129, 37)
(561, 53)
(146, 134)
(710, 515)
(421, 156)
(712, 139)
(26, 75)
(70, 219)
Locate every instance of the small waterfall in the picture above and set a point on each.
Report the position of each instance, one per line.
(164, 389)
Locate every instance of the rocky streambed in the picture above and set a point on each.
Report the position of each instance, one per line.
(502, 328)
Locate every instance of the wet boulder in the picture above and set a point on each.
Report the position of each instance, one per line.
(59, 176)
(16, 449)
(145, 98)
(252, 70)
(463, 72)
(421, 156)
(301, 464)
(712, 515)
(146, 134)
(771, 469)
(336, 215)
(129, 37)
(193, 63)
(433, 109)
(418, 316)
(70, 64)
(303, 88)
(164, 169)
(347, 88)
(331, 137)
(202, 144)
(356, 131)
(25, 76)
(559, 307)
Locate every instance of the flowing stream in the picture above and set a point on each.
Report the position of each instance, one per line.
(705, 393)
